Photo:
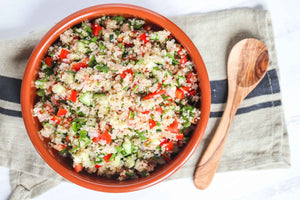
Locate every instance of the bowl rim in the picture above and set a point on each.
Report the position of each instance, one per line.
(90, 13)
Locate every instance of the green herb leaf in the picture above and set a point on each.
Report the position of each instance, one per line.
(118, 19)
(140, 62)
(102, 68)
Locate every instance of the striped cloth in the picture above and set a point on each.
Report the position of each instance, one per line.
(258, 136)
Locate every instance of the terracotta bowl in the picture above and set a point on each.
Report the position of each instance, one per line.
(62, 165)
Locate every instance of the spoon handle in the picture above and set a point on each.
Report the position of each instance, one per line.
(209, 162)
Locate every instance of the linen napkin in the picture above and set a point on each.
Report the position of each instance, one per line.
(258, 137)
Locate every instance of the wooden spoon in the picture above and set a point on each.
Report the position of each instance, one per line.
(247, 64)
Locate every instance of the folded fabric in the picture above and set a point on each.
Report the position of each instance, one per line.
(258, 136)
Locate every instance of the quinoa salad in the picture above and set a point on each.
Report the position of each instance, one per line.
(117, 96)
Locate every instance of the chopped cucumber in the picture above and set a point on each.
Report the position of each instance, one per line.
(127, 146)
(154, 36)
(130, 162)
(87, 98)
(68, 78)
(59, 89)
(81, 47)
(117, 160)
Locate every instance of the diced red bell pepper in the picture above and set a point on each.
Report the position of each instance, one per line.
(98, 166)
(78, 168)
(73, 96)
(61, 112)
(48, 61)
(152, 123)
(144, 38)
(183, 61)
(56, 119)
(159, 109)
(169, 146)
(103, 135)
(125, 72)
(96, 29)
(107, 157)
(179, 94)
(173, 128)
(179, 136)
(152, 95)
(77, 66)
(192, 93)
(187, 89)
(63, 53)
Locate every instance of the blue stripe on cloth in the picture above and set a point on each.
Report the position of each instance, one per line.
(249, 108)
(10, 89)
(12, 113)
(268, 85)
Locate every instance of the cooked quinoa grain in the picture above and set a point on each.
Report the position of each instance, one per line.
(117, 97)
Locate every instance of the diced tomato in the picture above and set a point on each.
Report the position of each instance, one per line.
(103, 135)
(55, 101)
(179, 51)
(192, 93)
(191, 77)
(48, 108)
(125, 72)
(49, 61)
(120, 39)
(146, 112)
(63, 53)
(67, 139)
(147, 28)
(96, 29)
(179, 94)
(61, 112)
(169, 146)
(167, 158)
(98, 166)
(183, 61)
(170, 36)
(187, 89)
(152, 95)
(163, 142)
(144, 38)
(128, 44)
(107, 157)
(59, 147)
(77, 66)
(78, 168)
(159, 109)
(179, 136)
(67, 120)
(173, 128)
(159, 86)
(152, 123)
(56, 119)
(73, 96)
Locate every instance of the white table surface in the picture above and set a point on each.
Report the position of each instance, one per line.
(19, 17)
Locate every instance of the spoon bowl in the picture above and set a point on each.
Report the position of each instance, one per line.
(247, 64)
